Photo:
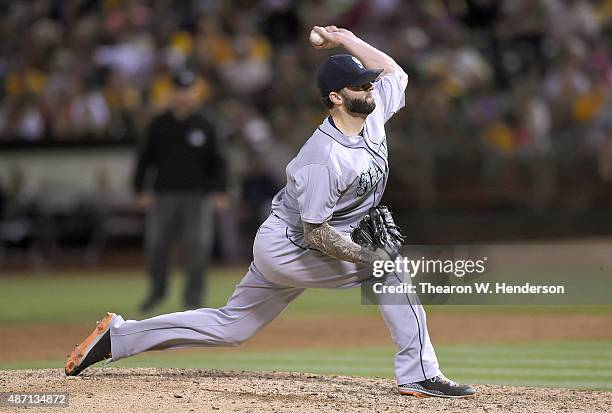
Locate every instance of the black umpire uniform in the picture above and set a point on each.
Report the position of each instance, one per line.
(182, 153)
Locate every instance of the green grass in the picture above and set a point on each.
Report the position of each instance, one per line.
(580, 365)
(78, 298)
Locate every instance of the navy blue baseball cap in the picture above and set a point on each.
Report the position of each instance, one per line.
(342, 70)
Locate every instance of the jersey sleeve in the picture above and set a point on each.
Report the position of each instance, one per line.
(318, 191)
(390, 95)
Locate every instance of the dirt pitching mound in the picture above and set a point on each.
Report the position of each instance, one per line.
(190, 390)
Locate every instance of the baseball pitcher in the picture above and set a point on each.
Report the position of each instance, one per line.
(334, 185)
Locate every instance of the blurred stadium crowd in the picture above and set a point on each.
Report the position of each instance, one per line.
(509, 101)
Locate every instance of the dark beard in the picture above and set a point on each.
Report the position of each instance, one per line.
(361, 106)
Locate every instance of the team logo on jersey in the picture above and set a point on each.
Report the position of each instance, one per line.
(358, 62)
(369, 178)
(196, 137)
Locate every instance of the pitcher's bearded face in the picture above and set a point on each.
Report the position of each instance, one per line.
(358, 102)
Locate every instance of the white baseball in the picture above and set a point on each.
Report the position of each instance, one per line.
(316, 38)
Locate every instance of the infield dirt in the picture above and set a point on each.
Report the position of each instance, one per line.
(188, 390)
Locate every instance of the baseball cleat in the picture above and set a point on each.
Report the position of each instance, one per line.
(438, 386)
(96, 347)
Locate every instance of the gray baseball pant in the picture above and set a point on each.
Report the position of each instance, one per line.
(189, 216)
(280, 272)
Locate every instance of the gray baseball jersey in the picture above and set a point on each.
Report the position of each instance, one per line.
(334, 178)
(337, 178)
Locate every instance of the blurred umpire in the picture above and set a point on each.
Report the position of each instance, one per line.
(182, 160)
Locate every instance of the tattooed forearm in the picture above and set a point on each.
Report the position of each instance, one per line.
(329, 241)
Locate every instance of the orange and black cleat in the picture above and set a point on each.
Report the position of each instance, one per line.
(96, 347)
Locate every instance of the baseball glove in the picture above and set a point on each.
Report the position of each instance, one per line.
(378, 230)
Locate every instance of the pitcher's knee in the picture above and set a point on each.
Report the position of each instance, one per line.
(238, 337)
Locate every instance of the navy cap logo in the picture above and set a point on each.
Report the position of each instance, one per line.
(358, 62)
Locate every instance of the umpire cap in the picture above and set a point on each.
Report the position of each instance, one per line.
(343, 70)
